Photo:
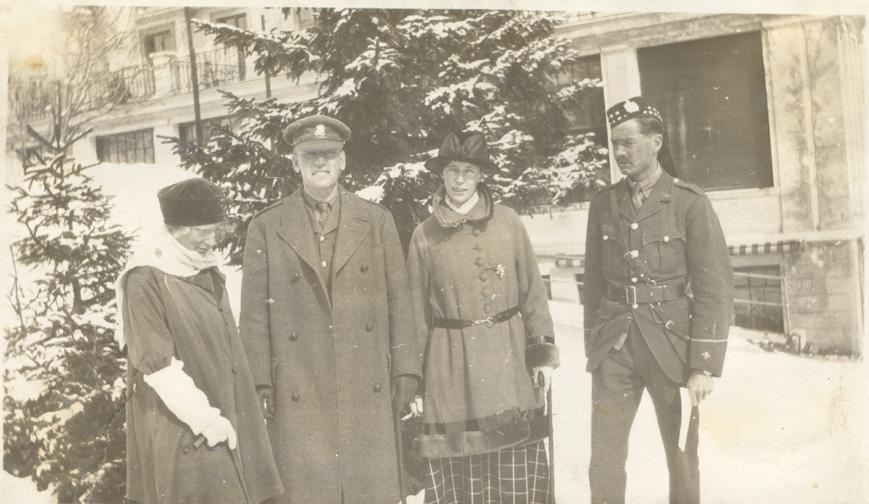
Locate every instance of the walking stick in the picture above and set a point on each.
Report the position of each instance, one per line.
(399, 449)
(551, 447)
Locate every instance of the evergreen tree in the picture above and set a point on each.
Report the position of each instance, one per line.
(70, 436)
(402, 79)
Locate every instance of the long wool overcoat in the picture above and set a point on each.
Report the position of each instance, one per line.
(479, 395)
(329, 361)
(166, 316)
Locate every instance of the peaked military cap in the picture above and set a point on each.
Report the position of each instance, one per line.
(317, 128)
(470, 150)
(191, 202)
(631, 108)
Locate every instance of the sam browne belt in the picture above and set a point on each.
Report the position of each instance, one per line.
(640, 294)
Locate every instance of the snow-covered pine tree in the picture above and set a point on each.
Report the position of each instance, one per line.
(70, 435)
(402, 79)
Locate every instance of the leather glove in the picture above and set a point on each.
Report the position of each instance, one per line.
(218, 431)
(403, 390)
(267, 402)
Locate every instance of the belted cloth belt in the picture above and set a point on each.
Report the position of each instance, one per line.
(446, 323)
(640, 294)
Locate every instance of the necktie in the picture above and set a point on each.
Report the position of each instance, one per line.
(637, 196)
(323, 209)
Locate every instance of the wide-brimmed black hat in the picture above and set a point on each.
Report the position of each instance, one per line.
(472, 149)
(191, 202)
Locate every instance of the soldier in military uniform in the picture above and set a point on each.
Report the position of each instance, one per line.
(328, 327)
(658, 298)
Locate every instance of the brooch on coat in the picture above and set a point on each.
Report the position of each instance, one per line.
(499, 270)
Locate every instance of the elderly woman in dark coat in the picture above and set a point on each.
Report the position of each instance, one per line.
(484, 321)
(188, 379)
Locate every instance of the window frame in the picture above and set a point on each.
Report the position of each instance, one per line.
(109, 147)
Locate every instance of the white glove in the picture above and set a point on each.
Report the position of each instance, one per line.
(189, 404)
(220, 430)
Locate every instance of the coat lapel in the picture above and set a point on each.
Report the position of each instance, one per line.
(626, 207)
(655, 202)
(296, 230)
(353, 226)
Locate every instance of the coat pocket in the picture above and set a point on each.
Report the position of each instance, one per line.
(664, 245)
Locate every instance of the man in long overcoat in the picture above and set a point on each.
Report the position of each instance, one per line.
(652, 239)
(328, 328)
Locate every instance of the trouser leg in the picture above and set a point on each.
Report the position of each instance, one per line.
(682, 465)
(616, 395)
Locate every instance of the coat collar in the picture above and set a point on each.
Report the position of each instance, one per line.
(449, 218)
(661, 194)
(298, 232)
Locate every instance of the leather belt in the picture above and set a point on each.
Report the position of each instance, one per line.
(644, 294)
(489, 322)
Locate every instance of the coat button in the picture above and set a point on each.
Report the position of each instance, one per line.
(484, 276)
(634, 225)
(476, 232)
(369, 326)
(294, 336)
(295, 278)
(633, 279)
(377, 387)
(186, 449)
(363, 268)
(295, 397)
(487, 308)
(478, 247)
(486, 293)
(635, 253)
(666, 238)
(606, 237)
(480, 261)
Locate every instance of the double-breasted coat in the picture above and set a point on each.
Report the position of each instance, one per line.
(674, 240)
(328, 359)
(478, 396)
(189, 318)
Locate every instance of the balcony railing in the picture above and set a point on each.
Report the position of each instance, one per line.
(167, 75)
(214, 68)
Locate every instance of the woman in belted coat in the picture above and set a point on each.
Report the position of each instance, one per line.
(483, 319)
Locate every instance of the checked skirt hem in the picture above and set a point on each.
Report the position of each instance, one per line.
(518, 475)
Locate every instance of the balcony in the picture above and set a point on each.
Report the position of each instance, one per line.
(167, 75)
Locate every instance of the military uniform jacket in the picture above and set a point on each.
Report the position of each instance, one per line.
(674, 239)
(329, 357)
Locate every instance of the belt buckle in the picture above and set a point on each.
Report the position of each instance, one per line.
(489, 322)
(631, 295)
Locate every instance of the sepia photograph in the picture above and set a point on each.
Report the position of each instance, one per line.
(362, 252)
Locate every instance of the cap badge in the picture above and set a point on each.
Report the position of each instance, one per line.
(631, 107)
(320, 131)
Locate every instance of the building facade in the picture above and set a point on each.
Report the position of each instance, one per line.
(765, 112)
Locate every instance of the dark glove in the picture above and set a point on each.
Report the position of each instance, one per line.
(267, 402)
(403, 390)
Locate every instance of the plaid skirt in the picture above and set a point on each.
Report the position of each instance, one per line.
(518, 475)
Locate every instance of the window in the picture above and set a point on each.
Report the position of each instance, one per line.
(591, 115)
(130, 147)
(237, 54)
(712, 94)
(758, 298)
(160, 41)
(210, 127)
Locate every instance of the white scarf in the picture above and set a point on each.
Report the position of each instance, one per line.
(164, 252)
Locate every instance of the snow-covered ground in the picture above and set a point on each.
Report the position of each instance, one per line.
(779, 428)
